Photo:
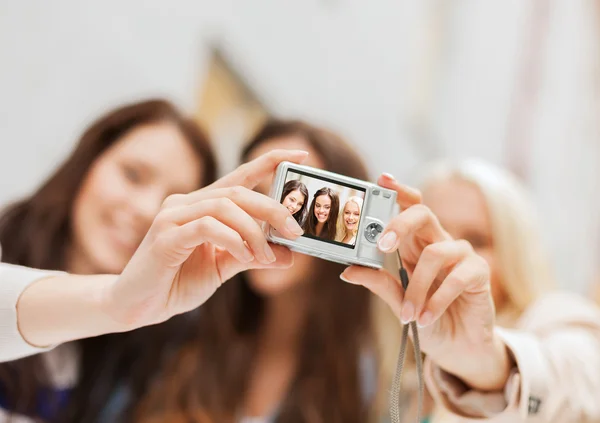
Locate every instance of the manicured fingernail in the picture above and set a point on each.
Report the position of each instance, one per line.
(408, 312)
(345, 278)
(388, 241)
(293, 226)
(425, 319)
(388, 175)
(269, 253)
(247, 256)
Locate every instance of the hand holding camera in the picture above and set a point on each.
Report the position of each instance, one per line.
(200, 240)
(448, 294)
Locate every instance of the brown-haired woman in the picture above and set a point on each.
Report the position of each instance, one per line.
(323, 215)
(88, 218)
(295, 197)
(286, 346)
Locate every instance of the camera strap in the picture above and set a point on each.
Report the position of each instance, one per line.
(395, 414)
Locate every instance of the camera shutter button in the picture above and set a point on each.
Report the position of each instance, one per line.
(372, 231)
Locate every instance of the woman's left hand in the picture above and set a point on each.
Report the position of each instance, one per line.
(448, 295)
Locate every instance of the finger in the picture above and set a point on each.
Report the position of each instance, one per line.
(251, 173)
(229, 213)
(229, 266)
(407, 196)
(470, 274)
(209, 229)
(257, 205)
(417, 223)
(379, 282)
(433, 261)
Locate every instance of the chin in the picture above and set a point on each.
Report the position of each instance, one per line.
(110, 263)
(270, 282)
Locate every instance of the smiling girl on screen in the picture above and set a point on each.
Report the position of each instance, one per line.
(348, 221)
(294, 197)
(322, 219)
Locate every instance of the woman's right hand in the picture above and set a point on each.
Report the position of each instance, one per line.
(200, 240)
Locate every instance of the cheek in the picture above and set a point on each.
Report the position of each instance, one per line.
(105, 188)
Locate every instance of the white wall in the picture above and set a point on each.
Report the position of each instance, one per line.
(566, 143)
(63, 63)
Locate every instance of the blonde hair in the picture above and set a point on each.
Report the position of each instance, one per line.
(342, 232)
(523, 267)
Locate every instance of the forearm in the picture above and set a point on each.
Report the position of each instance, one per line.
(63, 308)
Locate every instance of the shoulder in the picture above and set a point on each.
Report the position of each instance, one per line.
(560, 308)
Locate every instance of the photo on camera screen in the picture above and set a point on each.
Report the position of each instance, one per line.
(326, 209)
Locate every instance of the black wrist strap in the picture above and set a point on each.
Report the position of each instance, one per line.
(395, 414)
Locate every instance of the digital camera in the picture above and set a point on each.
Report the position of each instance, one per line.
(342, 217)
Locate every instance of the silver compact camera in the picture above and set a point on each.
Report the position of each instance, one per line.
(342, 217)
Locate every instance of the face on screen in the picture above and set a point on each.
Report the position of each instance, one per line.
(326, 210)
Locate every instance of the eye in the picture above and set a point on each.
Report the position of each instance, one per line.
(478, 241)
(132, 174)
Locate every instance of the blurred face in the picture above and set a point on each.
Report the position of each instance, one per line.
(274, 282)
(462, 211)
(294, 201)
(351, 216)
(322, 208)
(123, 191)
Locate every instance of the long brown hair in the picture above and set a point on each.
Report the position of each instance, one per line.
(207, 380)
(36, 232)
(330, 227)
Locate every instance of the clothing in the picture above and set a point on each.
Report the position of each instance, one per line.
(61, 362)
(556, 347)
(13, 281)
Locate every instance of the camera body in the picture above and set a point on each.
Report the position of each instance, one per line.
(342, 217)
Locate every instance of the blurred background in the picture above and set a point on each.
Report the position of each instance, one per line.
(516, 82)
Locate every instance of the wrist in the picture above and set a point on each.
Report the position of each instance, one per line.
(485, 370)
(116, 311)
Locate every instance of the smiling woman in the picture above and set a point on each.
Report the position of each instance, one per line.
(295, 197)
(348, 221)
(89, 218)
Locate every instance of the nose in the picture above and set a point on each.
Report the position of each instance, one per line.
(146, 206)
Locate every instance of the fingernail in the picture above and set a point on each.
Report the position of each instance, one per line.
(269, 253)
(425, 319)
(248, 256)
(345, 278)
(388, 175)
(293, 226)
(408, 312)
(388, 241)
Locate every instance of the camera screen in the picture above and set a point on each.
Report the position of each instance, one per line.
(326, 209)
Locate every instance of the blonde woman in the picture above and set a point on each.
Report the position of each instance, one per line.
(348, 220)
(487, 207)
